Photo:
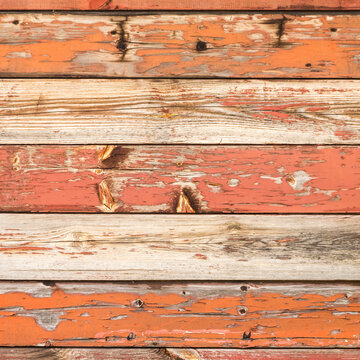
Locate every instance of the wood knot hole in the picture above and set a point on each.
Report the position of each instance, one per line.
(138, 303)
(131, 336)
(201, 46)
(243, 288)
(16, 22)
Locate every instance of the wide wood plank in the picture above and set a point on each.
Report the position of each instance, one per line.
(181, 45)
(173, 179)
(177, 315)
(179, 5)
(176, 354)
(179, 247)
(179, 111)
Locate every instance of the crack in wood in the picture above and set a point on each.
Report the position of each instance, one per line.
(122, 43)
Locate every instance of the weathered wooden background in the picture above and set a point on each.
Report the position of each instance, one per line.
(180, 180)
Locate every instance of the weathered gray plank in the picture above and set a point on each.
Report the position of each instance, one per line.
(179, 111)
(178, 247)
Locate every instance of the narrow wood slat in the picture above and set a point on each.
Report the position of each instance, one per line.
(177, 315)
(145, 179)
(175, 45)
(179, 5)
(179, 247)
(176, 354)
(179, 111)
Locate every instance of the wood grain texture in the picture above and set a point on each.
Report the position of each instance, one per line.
(158, 45)
(179, 111)
(164, 179)
(179, 247)
(176, 354)
(179, 5)
(177, 315)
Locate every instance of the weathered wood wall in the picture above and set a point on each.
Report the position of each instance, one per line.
(197, 174)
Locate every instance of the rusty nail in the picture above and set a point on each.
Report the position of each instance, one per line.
(241, 310)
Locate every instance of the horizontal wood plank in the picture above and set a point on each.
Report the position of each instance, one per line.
(179, 111)
(176, 354)
(179, 247)
(179, 5)
(192, 179)
(177, 315)
(181, 45)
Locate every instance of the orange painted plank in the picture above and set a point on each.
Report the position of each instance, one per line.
(181, 45)
(175, 315)
(180, 5)
(270, 179)
(176, 354)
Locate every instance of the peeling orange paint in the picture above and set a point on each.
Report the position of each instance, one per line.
(170, 319)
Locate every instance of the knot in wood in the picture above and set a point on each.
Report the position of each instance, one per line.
(201, 46)
(138, 303)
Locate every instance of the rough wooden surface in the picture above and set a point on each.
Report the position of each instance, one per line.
(145, 179)
(181, 45)
(177, 315)
(179, 5)
(179, 111)
(175, 354)
(179, 247)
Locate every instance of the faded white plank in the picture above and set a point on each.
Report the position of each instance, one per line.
(179, 111)
(179, 247)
